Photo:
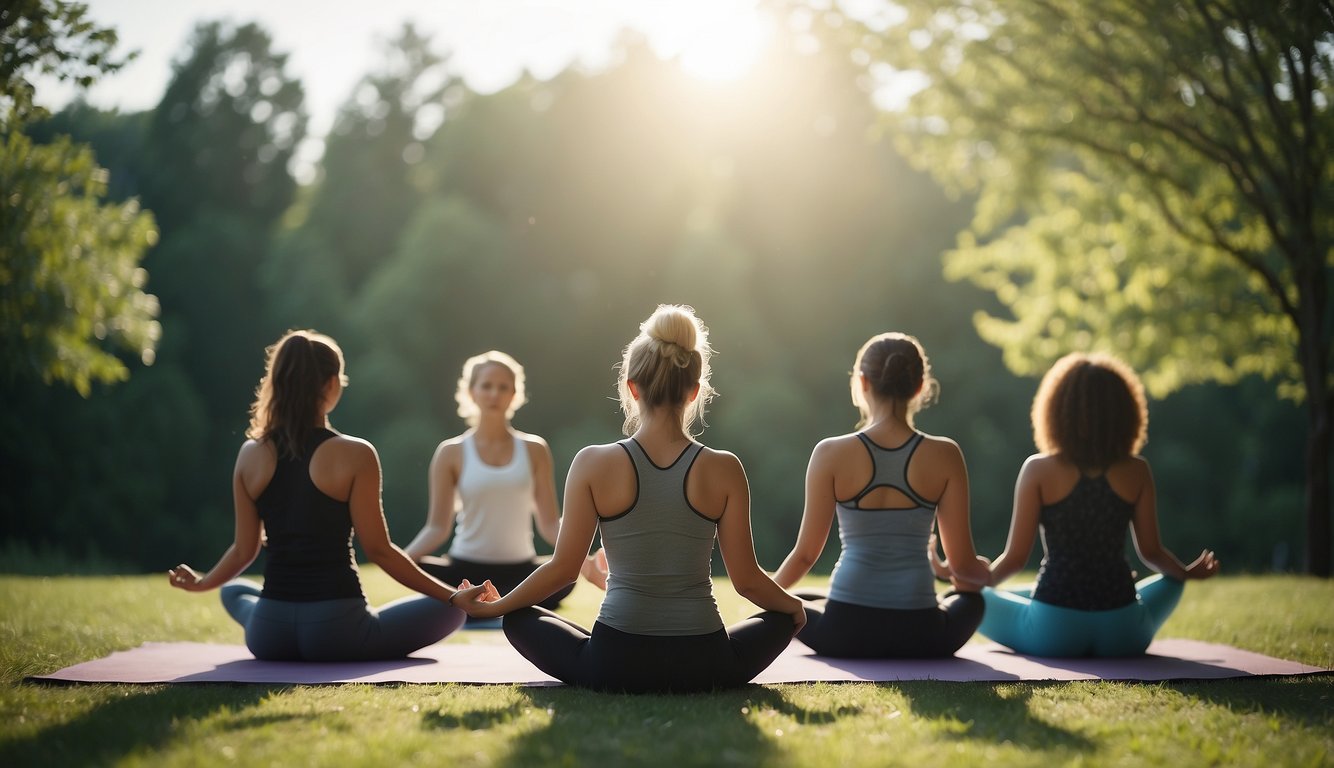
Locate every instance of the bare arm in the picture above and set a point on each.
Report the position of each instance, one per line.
(572, 543)
(1023, 523)
(816, 519)
(544, 490)
(372, 531)
(442, 482)
(247, 536)
(738, 548)
(1148, 542)
(968, 571)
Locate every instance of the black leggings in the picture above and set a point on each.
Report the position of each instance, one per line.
(611, 660)
(505, 576)
(852, 631)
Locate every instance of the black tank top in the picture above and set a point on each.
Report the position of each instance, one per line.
(308, 535)
(1084, 536)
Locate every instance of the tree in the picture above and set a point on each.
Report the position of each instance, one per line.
(346, 225)
(1153, 179)
(71, 289)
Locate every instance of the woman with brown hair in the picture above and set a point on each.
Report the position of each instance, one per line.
(1082, 491)
(301, 490)
(888, 484)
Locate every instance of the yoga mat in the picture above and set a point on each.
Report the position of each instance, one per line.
(498, 662)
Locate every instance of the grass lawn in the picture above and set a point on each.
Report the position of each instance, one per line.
(49, 623)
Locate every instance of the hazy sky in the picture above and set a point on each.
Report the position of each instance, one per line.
(332, 43)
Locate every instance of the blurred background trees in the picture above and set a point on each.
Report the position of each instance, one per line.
(547, 219)
(1153, 180)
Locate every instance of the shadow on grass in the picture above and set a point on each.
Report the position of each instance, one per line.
(130, 720)
(1306, 700)
(591, 728)
(998, 713)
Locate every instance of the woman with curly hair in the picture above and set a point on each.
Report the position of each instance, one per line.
(1085, 488)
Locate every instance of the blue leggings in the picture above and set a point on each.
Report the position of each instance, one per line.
(336, 630)
(1016, 620)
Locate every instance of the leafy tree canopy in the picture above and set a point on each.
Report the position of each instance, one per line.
(71, 288)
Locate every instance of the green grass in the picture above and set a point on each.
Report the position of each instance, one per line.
(52, 622)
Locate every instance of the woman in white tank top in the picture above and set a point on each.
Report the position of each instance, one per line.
(489, 485)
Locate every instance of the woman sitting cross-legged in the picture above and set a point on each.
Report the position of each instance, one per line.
(660, 499)
(1082, 492)
(888, 484)
(301, 489)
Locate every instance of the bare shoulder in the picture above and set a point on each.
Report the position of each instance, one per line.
(536, 445)
(350, 449)
(450, 450)
(256, 451)
(715, 458)
(597, 458)
(938, 448)
(1130, 475)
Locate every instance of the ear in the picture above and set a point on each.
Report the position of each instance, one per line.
(694, 393)
(866, 383)
(634, 389)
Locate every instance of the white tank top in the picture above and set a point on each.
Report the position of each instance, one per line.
(495, 522)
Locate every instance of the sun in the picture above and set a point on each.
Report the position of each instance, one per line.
(713, 40)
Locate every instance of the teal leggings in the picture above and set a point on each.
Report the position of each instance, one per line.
(1028, 626)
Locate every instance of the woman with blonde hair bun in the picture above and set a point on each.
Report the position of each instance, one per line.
(660, 499)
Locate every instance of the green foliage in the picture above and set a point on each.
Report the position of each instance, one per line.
(1150, 177)
(48, 37)
(69, 268)
(1152, 180)
(71, 290)
(225, 130)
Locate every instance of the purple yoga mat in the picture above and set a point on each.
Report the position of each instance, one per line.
(498, 662)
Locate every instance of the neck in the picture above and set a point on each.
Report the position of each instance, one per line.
(489, 426)
(660, 426)
(891, 413)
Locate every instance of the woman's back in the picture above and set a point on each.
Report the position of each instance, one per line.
(659, 552)
(1084, 520)
(308, 531)
(884, 525)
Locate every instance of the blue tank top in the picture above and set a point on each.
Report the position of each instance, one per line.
(308, 535)
(659, 554)
(883, 563)
(1084, 549)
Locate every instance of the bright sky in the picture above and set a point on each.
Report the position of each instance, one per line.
(333, 43)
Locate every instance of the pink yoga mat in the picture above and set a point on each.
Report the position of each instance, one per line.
(498, 662)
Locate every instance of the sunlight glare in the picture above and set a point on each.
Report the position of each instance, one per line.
(713, 41)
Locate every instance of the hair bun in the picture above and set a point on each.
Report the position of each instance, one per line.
(672, 325)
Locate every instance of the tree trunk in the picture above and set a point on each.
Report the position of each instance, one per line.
(1313, 344)
(1317, 489)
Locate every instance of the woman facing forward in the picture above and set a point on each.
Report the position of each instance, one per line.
(660, 499)
(888, 484)
(1083, 490)
(501, 479)
(302, 490)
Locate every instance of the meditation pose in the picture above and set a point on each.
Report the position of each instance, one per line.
(659, 499)
(888, 484)
(1082, 491)
(498, 479)
(301, 489)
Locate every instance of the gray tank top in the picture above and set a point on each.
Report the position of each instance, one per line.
(659, 553)
(883, 563)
